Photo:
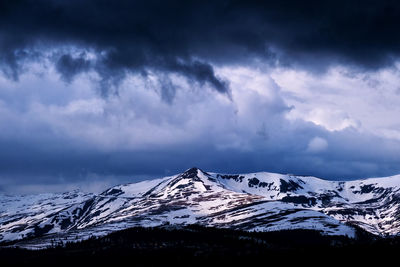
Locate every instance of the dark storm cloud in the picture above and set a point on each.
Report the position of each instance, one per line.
(68, 66)
(51, 129)
(187, 36)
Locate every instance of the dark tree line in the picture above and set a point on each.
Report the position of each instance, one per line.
(199, 246)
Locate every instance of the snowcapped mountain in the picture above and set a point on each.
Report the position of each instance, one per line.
(252, 202)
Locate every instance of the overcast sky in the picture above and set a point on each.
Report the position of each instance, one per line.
(95, 93)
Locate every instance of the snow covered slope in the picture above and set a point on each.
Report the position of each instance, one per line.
(252, 202)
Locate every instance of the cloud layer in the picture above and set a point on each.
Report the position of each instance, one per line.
(187, 37)
(97, 92)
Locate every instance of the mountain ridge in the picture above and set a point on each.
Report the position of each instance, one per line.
(259, 201)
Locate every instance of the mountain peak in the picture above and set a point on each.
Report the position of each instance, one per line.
(191, 173)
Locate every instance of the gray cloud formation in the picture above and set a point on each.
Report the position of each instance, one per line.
(65, 133)
(167, 59)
